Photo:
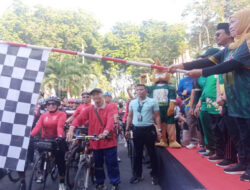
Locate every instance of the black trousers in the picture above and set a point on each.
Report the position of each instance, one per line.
(144, 136)
(59, 158)
(178, 131)
(219, 137)
(244, 129)
(233, 145)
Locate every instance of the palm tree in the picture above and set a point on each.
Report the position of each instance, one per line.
(67, 71)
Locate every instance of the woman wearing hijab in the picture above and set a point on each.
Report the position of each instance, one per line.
(234, 63)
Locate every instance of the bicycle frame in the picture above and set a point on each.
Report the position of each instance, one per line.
(85, 159)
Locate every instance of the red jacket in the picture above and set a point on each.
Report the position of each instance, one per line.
(114, 107)
(95, 128)
(80, 108)
(51, 124)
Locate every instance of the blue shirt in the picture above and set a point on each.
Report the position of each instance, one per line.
(185, 84)
(149, 106)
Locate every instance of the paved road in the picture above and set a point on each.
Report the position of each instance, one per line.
(125, 171)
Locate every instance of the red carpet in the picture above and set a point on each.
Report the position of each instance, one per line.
(206, 172)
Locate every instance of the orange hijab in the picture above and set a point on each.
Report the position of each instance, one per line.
(243, 33)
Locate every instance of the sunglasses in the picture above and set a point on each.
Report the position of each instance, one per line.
(86, 97)
(51, 104)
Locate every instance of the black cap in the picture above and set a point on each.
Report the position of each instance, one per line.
(98, 90)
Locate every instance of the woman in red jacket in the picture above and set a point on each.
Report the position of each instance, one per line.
(51, 125)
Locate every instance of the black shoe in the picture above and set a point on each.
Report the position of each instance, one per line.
(100, 187)
(135, 180)
(22, 185)
(215, 158)
(245, 176)
(155, 181)
(236, 169)
(225, 163)
(115, 187)
(208, 154)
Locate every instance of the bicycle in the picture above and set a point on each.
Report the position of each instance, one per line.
(73, 155)
(82, 154)
(45, 164)
(12, 175)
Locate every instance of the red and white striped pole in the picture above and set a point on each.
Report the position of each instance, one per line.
(92, 56)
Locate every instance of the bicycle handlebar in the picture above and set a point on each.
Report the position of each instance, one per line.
(84, 137)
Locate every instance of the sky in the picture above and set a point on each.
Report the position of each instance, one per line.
(108, 12)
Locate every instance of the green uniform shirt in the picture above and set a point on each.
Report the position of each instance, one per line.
(202, 82)
(163, 93)
(237, 82)
(209, 95)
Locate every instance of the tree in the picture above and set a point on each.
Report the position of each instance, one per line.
(64, 29)
(67, 73)
(206, 15)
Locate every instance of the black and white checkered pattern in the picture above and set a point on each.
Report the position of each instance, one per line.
(21, 74)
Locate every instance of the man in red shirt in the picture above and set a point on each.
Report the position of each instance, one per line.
(106, 147)
(109, 101)
(86, 103)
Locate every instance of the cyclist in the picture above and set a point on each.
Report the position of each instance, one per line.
(101, 123)
(108, 101)
(86, 99)
(70, 109)
(52, 126)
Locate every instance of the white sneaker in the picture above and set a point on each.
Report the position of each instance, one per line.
(191, 146)
(62, 186)
(39, 179)
(118, 159)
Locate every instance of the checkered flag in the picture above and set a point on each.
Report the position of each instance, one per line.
(21, 74)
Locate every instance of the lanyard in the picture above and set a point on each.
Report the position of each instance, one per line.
(140, 106)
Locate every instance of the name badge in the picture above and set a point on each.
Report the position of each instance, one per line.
(139, 118)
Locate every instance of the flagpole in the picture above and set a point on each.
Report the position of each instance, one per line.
(92, 56)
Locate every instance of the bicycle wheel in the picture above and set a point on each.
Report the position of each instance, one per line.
(82, 177)
(71, 168)
(37, 173)
(54, 171)
(13, 176)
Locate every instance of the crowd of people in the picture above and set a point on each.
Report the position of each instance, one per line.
(210, 110)
(220, 98)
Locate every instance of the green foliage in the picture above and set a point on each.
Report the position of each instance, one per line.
(64, 29)
(206, 15)
(78, 30)
(142, 43)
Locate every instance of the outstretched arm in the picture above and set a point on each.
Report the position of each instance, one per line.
(221, 68)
